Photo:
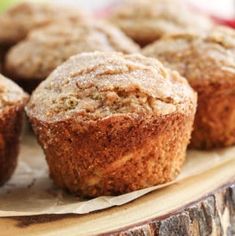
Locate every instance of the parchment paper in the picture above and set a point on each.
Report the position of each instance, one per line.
(31, 192)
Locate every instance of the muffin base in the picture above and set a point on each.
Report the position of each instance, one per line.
(214, 125)
(10, 128)
(115, 155)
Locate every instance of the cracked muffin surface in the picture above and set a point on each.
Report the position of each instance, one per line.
(20, 19)
(207, 60)
(111, 123)
(93, 86)
(46, 48)
(12, 101)
(146, 21)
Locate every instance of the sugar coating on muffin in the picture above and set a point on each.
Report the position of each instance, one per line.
(111, 123)
(208, 62)
(93, 86)
(146, 21)
(48, 47)
(12, 101)
(20, 19)
(201, 58)
(10, 93)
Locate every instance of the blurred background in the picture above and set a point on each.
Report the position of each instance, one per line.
(220, 8)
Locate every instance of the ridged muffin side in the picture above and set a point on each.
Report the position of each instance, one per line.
(12, 101)
(112, 123)
(208, 62)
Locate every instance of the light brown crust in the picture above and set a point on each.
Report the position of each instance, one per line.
(208, 62)
(145, 21)
(18, 21)
(43, 50)
(12, 101)
(93, 152)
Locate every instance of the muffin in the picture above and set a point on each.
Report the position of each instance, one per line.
(19, 20)
(12, 101)
(146, 21)
(208, 62)
(32, 60)
(111, 123)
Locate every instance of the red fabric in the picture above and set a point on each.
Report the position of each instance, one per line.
(222, 21)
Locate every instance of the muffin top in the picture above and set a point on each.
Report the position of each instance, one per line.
(19, 20)
(93, 86)
(201, 58)
(10, 93)
(146, 20)
(45, 49)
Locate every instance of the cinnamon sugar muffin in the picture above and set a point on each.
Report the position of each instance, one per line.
(12, 101)
(111, 123)
(19, 20)
(32, 60)
(146, 20)
(208, 62)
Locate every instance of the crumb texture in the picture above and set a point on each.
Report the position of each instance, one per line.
(97, 85)
(48, 47)
(146, 21)
(19, 20)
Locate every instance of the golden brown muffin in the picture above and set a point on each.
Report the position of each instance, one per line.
(111, 123)
(148, 20)
(19, 20)
(208, 62)
(32, 60)
(12, 101)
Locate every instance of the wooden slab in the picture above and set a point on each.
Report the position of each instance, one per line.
(201, 205)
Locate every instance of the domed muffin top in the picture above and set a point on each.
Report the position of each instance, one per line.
(93, 86)
(19, 20)
(148, 20)
(10, 93)
(50, 46)
(201, 58)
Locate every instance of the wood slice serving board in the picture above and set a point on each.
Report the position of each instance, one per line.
(200, 205)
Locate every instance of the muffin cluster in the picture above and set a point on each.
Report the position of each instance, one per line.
(110, 116)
